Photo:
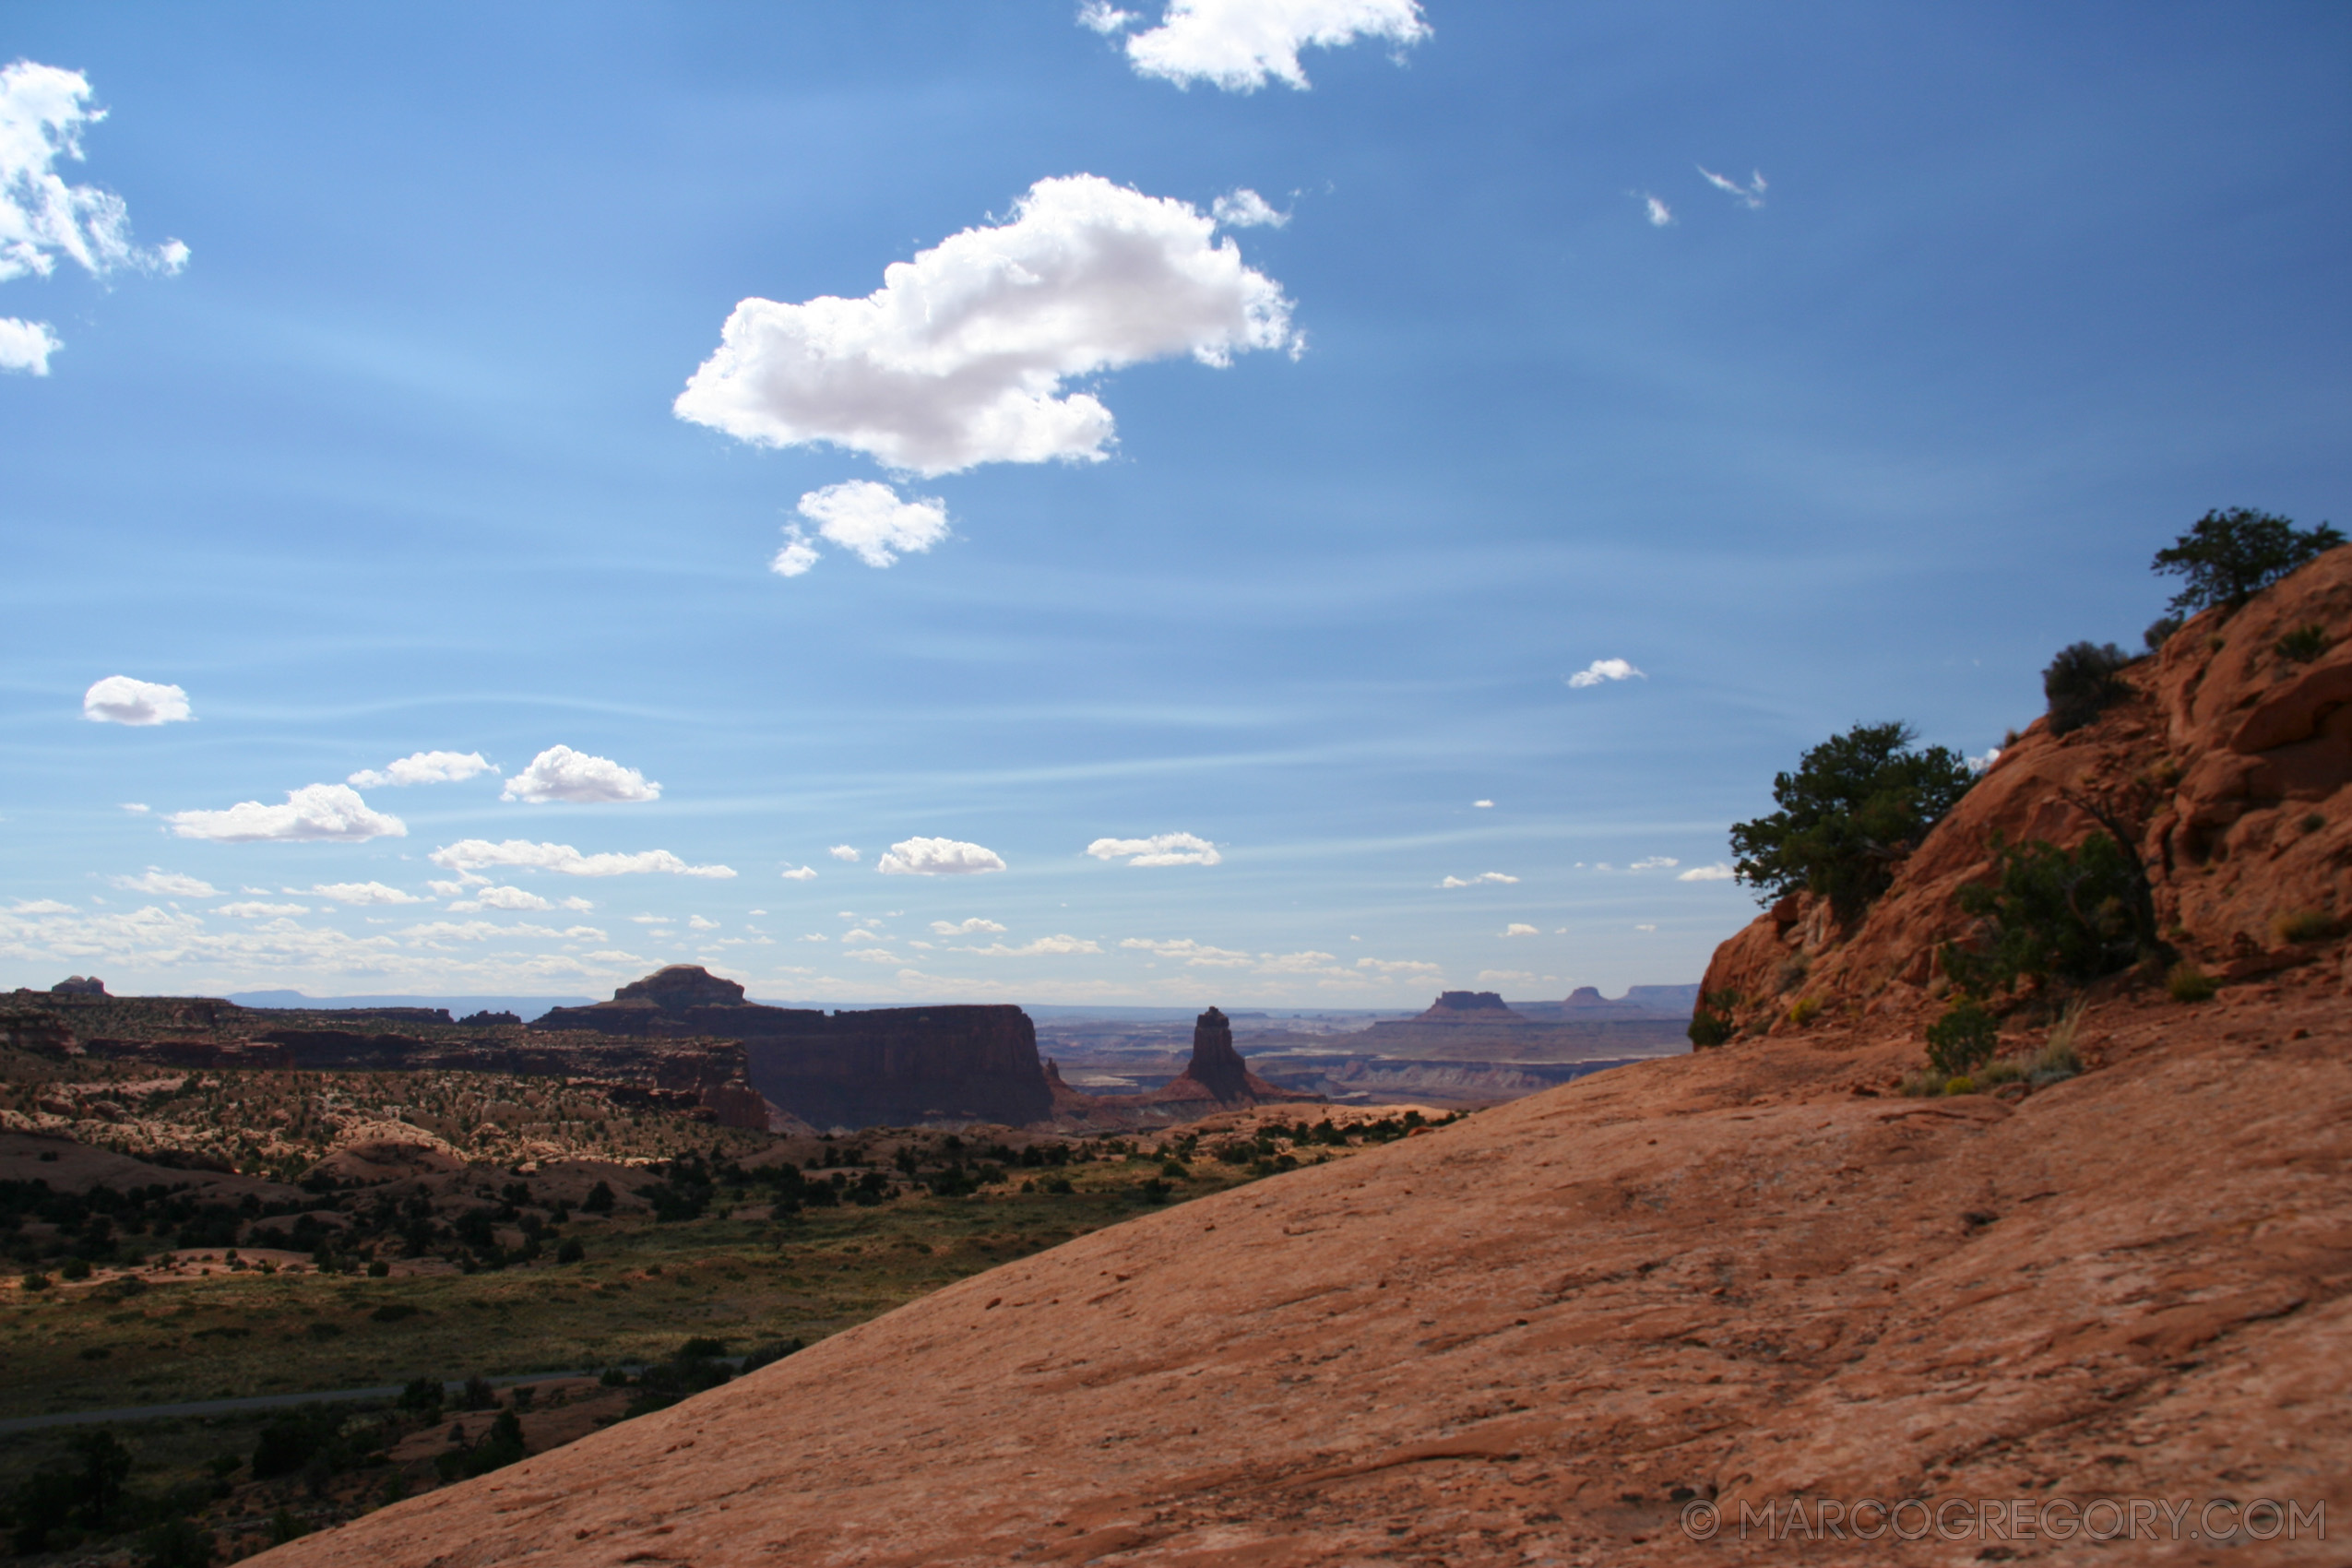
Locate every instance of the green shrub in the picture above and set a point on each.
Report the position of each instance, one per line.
(571, 1251)
(1710, 1022)
(2160, 631)
(2189, 983)
(598, 1199)
(2303, 644)
(1808, 1008)
(773, 1350)
(2305, 925)
(2227, 557)
(2080, 681)
(2069, 915)
(1963, 1040)
(1857, 804)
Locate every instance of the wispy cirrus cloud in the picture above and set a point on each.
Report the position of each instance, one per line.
(1720, 872)
(474, 854)
(166, 883)
(361, 893)
(1044, 946)
(1198, 954)
(1239, 45)
(965, 928)
(1750, 195)
(962, 356)
(1484, 877)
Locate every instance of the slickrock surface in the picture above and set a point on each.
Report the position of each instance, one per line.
(1509, 1340)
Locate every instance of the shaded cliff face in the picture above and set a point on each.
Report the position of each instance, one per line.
(2231, 759)
(900, 1066)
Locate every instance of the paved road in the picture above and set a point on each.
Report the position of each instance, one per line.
(262, 1402)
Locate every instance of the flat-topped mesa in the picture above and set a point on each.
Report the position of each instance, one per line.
(1469, 1007)
(1218, 1077)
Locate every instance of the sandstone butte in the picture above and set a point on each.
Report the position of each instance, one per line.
(1751, 1274)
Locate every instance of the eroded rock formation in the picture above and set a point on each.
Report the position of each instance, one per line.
(1217, 1078)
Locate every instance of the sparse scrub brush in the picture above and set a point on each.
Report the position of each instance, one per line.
(2186, 982)
(2305, 925)
(2057, 914)
(1963, 1040)
(2160, 631)
(2303, 644)
(1806, 1009)
(2080, 681)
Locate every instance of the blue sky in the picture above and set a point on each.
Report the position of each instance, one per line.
(388, 465)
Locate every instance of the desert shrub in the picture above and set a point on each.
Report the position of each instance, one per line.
(1962, 1084)
(423, 1395)
(1918, 1084)
(35, 1282)
(1806, 1009)
(702, 1348)
(2305, 925)
(1857, 804)
(598, 1199)
(2186, 982)
(2068, 915)
(2160, 631)
(2080, 681)
(571, 1251)
(478, 1395)
(379, 1269)
(500, 1446)
(773, 1350)
(176, 1543)
(2303, 644)
(1963, 1040)
(2227, 557)
(1710, 1027)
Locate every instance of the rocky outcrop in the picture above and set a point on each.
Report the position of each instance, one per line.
(78, 985)
(2228, 761)
(1217, 1078)
(1469, 1006)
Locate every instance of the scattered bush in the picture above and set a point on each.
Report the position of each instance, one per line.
(1711, 1020)
(177, 1543)
(478, 1395)
(571, 1251)
(2081, 682)
(1960, 1085)
(395, 1312)
(2227, 557)
(598, 1199)
(2305, 925)
(423, 1395)
(2303, 644)
(2160, 631)
(2186, 982)
(1806, 1009)
(1963, 1040)
(379, 1269)
(500, 1446)
(773, 1350)
(2056, 914)
(1857, 804)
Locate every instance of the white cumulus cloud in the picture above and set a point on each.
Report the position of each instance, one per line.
(1716, 873)
(362, 893)
(167, 884)
(866, 518)
(843, 853)
(27, 345)
(1750, 195)
(1044, 946)
(937, 857)
(1520, 928)
(1192, 952)
(44, 110)
(1601, 670)
(964, 928)
(1483, 806)
(1655, 863)
(423, 767)
(1660, 214)
(1238, 44)
(118, 699)
(962, 355)
(257, 911)
(470, 854)
(797, 873)
(1242, 207)
(559, 773)
(1400, 969)
(501, 899)
(1160, 849)
(1474, 881)
(315, 812)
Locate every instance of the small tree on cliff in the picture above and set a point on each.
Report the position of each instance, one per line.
(2227, 557)
(1857, 804)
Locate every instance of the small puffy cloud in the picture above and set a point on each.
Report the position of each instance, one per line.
(938, 857)
(582, 905)
(471, 854)
(1519, 928)
(1982, 764)
(255, 911)
(1660, 214)
(1161, 849)
(1655, 863)
(797, 873)
(315, 814)
(696, 923)
(816, 936)
(964, 928)
(44, 110)
(860, 933)
(503, 898)
(137, 808)
(1601, 670)
(27, 345)
(962, 356)
(1750, 195)
(1307, 963)
(362, 893)
(1400, 969)
(1193, 953)
(1716, 873)
(866, 518)
(871, 955)
(1474, 881)
(118, 699)
(843, 853)
(39, 907)
(1244, 208)
(559, 773)
(167, 884)
(423, 767)
(1483, 806)
(1238, 44)
(1646, 928)
(1044, 946)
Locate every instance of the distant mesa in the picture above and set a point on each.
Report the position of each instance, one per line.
(1469, 1006)
(486, 1020)
(78, 985)
(1585, 996)
(1217, 1078)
